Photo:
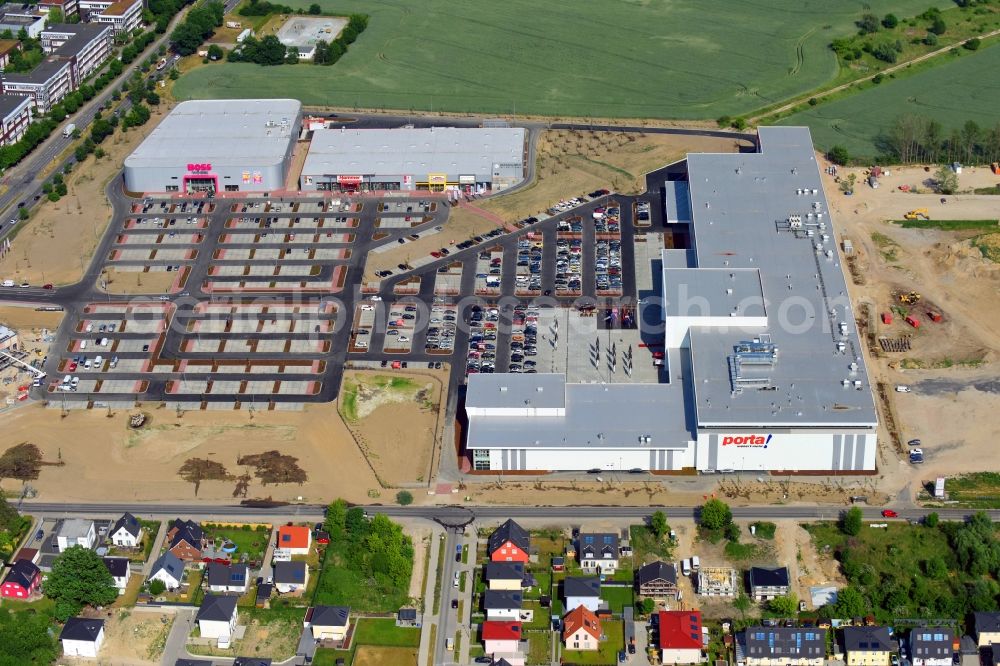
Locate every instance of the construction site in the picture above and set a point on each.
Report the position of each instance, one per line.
(925, 280)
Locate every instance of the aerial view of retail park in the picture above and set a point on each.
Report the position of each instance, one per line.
(451, 333)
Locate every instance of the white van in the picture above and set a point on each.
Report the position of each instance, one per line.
(83, 344)
(98, 362)
(76, 382)
(87, 363)
(67, 379)
(89, 329)
(686, 567)
(104, 342)
(695, 563)
(449, 644)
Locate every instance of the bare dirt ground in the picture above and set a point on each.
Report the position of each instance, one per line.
(58, 241)
(952, 363)
(570, 163)
(462, 224)
(794, 548)
(26, 317)
(388, 419)
(138, 282)
(135, 638)
(421, 539)
(104, 459)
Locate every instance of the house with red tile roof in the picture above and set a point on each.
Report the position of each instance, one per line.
(680, 638)
(501, 638)
(294, 539)
(581, 629)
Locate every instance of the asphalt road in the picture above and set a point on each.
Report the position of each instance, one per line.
(453, 515)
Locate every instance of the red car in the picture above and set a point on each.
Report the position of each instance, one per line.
(435, 254)
(72, 366)
(889, 513)
(47, 286)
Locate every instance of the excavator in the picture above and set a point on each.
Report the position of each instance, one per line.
(917, 213)
(909, 298)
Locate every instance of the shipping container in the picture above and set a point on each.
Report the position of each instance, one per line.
(913, 321)
(886, 317)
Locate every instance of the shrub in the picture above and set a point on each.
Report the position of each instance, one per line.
(404, 497)
(938, 26)
(931, 39)
(157, 587)
(850, 522)
(868, 24)
(764, 530)
(890, 21)
(931, 520)
(972, 44)
(723, 121)
(878, 78)
(715, 515)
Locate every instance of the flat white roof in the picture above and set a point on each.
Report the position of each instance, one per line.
(225, 132)
(418, 151)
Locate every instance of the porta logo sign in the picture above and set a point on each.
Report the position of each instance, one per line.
(199, 167)
(747, 440)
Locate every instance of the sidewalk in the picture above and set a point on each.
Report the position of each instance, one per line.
(429, 586)
(161, 536)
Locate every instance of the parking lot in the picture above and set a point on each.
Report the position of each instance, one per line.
(266, 306)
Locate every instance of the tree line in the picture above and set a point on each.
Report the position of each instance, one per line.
(376, 547)
(198, 25)
(916, 139)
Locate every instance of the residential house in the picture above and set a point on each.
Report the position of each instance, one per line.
(582, 591)
(126, 532)
(504, 575)
(598, 552)
(868, 646)
(120, 570)
(509, 543)
(217, 617)
(22, 579)
(781, 646)
(932, 646)
(169, 570)
(328, 623)
(501, 637)
(766, 583)
(718, 581)
(7, 47)
(502, 604)
(186, 540)
(987, 628)
(76, 532)
(82, 637)
(407, 617)
(680, 637)
(581, 629)
(294, 539)
(994, 655)
(291, 577)
(223, 578)
(658, 580)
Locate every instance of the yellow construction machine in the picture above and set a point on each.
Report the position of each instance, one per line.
(917, 213)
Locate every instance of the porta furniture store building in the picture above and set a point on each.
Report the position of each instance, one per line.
(763, 356)
(238, 145)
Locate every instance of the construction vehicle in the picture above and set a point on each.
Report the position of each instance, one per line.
(917, 213)
(910, 298)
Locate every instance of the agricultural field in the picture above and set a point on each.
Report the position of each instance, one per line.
(964, 87)
(608, 59)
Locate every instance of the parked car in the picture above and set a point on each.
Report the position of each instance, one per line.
(889, 513)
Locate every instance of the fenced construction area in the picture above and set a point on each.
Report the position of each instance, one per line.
(595, 59)
(963, 88)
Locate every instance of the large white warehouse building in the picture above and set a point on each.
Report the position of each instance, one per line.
(764, 360)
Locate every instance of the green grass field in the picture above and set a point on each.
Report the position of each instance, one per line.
(963, 88)
(620, 58)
